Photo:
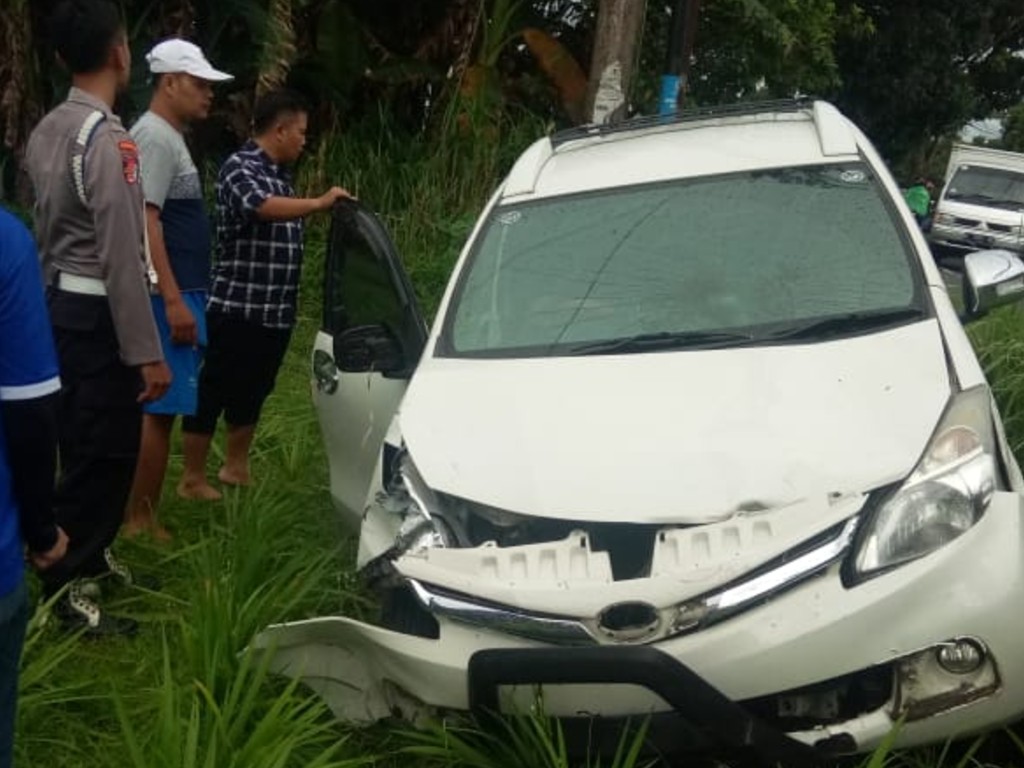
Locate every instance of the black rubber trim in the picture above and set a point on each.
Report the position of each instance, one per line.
(683, 116)
(723, 721)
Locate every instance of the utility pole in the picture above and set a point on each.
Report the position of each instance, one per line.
(620, 26)
(674, 85)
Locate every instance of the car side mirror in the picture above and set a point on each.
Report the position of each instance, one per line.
(991, 279)
(366, 348)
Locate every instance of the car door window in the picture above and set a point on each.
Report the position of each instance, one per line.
(363, 282)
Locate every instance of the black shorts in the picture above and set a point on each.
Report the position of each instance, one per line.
(238, 372)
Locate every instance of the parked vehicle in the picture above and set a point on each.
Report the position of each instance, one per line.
(696, 414)
(982, 202)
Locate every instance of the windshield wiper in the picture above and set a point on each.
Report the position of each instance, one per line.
(850, 323)
(662, 340)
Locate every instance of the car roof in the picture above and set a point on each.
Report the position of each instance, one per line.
(690, 144)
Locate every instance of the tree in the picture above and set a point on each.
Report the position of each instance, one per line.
(747, 49)
(619, 27)
(918, 70)
(765, 48)
(20, 97)
(1013, 130)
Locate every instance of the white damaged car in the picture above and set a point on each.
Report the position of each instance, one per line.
(697, 433)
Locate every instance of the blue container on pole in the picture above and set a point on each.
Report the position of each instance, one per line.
(667, 104)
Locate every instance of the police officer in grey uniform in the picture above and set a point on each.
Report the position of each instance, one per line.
(84, 167)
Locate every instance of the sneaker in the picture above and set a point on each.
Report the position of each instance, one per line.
(90, 588)
(125, 574)
(78, 612)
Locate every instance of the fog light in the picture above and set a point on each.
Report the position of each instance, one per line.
(952, 674)
(961, 657)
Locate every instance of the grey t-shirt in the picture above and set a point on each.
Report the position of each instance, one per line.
(171, 182)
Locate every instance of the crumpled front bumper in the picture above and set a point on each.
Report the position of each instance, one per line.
(813, 632)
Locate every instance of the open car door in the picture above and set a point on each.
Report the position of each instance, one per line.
(370, 340)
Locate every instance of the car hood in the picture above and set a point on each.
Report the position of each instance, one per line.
(678, 437)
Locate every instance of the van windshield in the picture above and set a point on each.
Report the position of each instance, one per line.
(762, 257)
(987, 186)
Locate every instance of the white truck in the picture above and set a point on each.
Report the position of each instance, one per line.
(982, 201)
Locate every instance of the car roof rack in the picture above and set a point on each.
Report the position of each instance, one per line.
(739, 109)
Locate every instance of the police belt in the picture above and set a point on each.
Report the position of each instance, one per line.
(87, 286)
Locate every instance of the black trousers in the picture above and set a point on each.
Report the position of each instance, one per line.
(239, 370)
(100, 426)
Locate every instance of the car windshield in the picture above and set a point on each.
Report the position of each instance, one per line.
(987, 186)
(744, 259)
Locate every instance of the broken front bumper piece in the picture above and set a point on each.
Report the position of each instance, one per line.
(365, 674)
(933, 642)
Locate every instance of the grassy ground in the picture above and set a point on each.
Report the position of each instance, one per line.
(181, 694)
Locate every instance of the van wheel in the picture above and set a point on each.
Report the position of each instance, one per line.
(400, 611)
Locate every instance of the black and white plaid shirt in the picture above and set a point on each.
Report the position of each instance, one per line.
(258, 263)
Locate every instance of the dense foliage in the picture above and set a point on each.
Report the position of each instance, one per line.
(917, 70)
(909, 72)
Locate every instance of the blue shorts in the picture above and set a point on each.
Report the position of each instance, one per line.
(183, 360)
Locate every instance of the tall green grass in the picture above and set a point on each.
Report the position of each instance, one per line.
(999, 342)
(532, 739)
(427, 192)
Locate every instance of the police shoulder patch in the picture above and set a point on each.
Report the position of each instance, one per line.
(129, 160)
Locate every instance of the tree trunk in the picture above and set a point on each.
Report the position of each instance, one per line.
(620, 26)
(20, 102)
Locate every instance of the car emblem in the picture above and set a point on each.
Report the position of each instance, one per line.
(629, 621)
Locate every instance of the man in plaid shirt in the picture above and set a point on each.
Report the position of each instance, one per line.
(251, 309)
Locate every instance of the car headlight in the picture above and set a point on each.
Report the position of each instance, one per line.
(943, 218)
(945, 495)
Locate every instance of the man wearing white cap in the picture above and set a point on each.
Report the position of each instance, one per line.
(179, 239)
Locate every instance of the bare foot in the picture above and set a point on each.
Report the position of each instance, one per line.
(198, 491)
(233, 476)
(132, 528)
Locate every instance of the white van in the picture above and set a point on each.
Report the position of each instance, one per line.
(982, 201)
(696, 415)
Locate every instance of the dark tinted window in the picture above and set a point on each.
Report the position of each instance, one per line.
(987, 186)
(359, 289)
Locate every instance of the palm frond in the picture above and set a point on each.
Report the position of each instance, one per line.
(279, 49)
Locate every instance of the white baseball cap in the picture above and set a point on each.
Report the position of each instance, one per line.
(176, 55)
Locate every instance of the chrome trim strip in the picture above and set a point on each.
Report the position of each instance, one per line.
(784, 575)
(712, 607)
(504, 619)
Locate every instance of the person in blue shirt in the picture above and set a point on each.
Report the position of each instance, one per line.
(29, 383)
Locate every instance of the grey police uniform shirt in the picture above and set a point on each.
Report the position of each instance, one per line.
(103, 236)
